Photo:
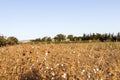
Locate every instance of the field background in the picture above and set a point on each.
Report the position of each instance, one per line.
(73, 61)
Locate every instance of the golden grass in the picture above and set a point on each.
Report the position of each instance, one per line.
(76, 61)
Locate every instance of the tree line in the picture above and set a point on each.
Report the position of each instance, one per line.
(106, 37)
(8, 41)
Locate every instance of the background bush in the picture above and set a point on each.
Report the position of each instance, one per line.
(8, 41)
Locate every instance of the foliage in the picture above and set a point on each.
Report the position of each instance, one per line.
(59, 37)
(106, 37)
(70, 37)
(8, 41)
(12, 40)
(2, 41)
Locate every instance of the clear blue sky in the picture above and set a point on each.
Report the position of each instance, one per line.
(27, 19)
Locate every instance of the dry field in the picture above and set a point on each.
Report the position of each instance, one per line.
(75, 61)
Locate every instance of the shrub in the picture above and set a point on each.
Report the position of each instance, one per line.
(12, 40)
(2, 41)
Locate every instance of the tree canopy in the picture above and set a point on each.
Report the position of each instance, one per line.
(8, 41)
(84, 38)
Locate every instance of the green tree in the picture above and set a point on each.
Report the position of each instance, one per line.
(2, 41)
(36, 40)
(70, 37)
(12, 40)
(118, 36)
(76, 39)
(59, 37)
(84, 37)
(97, 37)
(46, 39)
(49, 39)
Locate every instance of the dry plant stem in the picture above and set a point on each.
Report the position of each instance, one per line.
(75, 61)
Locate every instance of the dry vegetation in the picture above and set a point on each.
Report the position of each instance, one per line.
(84, 61)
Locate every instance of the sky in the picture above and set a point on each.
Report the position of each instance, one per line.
(30, 19)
